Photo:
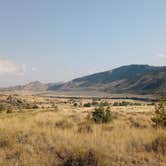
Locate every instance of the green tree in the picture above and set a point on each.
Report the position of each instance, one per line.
(101, 115)
(104, 104)
(87, 105)
(98, 115)
(160, 113)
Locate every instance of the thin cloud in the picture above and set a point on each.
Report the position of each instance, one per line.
(161, 55)
(10, 67)
(33, 69)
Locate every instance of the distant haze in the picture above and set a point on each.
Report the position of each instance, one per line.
(57, 40)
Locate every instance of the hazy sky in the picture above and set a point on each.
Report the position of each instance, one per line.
(57, 40)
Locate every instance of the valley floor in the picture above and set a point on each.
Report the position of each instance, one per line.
(62, 133)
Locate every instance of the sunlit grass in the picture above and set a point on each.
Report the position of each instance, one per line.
(48, 137)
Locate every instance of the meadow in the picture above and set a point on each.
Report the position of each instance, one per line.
(60, 132)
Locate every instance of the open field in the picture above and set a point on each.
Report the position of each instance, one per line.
(46, 131)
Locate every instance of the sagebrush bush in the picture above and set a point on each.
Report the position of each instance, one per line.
(75, 104)
(126, 103)
(87, 159)
(108, 116)
(101, 115)
(9, 111)
(95, 103)
(98, 115)
(63, 124)
(104, 104)
(158, 145)
(85, 128)
(87, 105)
(35, 106)
(160, 114)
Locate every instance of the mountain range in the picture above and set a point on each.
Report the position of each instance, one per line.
(136, 79)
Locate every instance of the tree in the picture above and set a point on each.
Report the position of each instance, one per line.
(160, 113)
(100, 115)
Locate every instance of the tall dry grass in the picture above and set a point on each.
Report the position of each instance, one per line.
(67, 138)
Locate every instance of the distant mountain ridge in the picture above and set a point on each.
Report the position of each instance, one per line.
(125, 79)
(32, 86)
(137, 79)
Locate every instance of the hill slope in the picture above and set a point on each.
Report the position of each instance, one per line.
(125, 79)
(32, 86)
(137, 79)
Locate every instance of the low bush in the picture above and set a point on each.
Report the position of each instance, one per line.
(160, 114)
(95, 103)
(35, 106)
(126, 103)
(4, 142)
(104, 104)
(64, 124)
(87, 105)
(75, 104)
(101, 115)
(158, 145)
(136, 122)
(85, 128)
(87, 159)
(9, 111)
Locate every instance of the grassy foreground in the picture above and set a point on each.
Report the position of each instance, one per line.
(50, 138)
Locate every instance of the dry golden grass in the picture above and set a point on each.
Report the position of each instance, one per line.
(66, 137)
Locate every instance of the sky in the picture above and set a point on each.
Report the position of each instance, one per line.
(58, 40)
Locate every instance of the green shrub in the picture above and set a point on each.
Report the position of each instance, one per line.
(75, 104)
(108, 116)
(126, 103)
(9, 111)
(151, 104)
(104, 104)
(35, 106)
(87, 105)
(160, 114)
(115, 104)
(100, 115)
(83, 159)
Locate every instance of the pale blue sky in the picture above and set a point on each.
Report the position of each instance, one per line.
(57, 40)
